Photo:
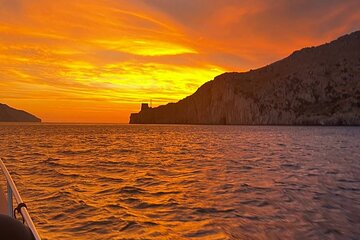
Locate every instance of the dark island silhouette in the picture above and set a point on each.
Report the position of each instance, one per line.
(313, 86)
(9, 114)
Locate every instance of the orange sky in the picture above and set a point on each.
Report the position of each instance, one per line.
(97, 60)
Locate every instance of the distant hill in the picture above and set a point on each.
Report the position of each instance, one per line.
(313, 86)
(8, 114)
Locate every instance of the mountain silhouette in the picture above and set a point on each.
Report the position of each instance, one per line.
(8, 114)
(313, 86)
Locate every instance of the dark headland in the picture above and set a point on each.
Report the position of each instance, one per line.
(313, 86)
(8, 114)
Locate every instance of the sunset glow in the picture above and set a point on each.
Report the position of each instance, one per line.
(97, 60)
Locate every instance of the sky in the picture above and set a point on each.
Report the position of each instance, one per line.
(98, 60)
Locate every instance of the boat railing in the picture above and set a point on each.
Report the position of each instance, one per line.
(12, 192)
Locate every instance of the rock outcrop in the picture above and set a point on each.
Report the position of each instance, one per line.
(313, 86)
(8, 114)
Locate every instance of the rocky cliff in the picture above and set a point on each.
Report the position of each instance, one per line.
(313, 86)
(8, 114)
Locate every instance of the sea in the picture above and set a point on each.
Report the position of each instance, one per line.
(91, 181)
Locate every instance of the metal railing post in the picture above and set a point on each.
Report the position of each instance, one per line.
(10, 200)
(14, 192)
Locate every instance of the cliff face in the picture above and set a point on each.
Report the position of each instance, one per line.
(317, 86)
(8, 114)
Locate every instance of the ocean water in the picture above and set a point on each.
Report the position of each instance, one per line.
(187, 182)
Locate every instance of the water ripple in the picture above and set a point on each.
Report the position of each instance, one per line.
(187, 182)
